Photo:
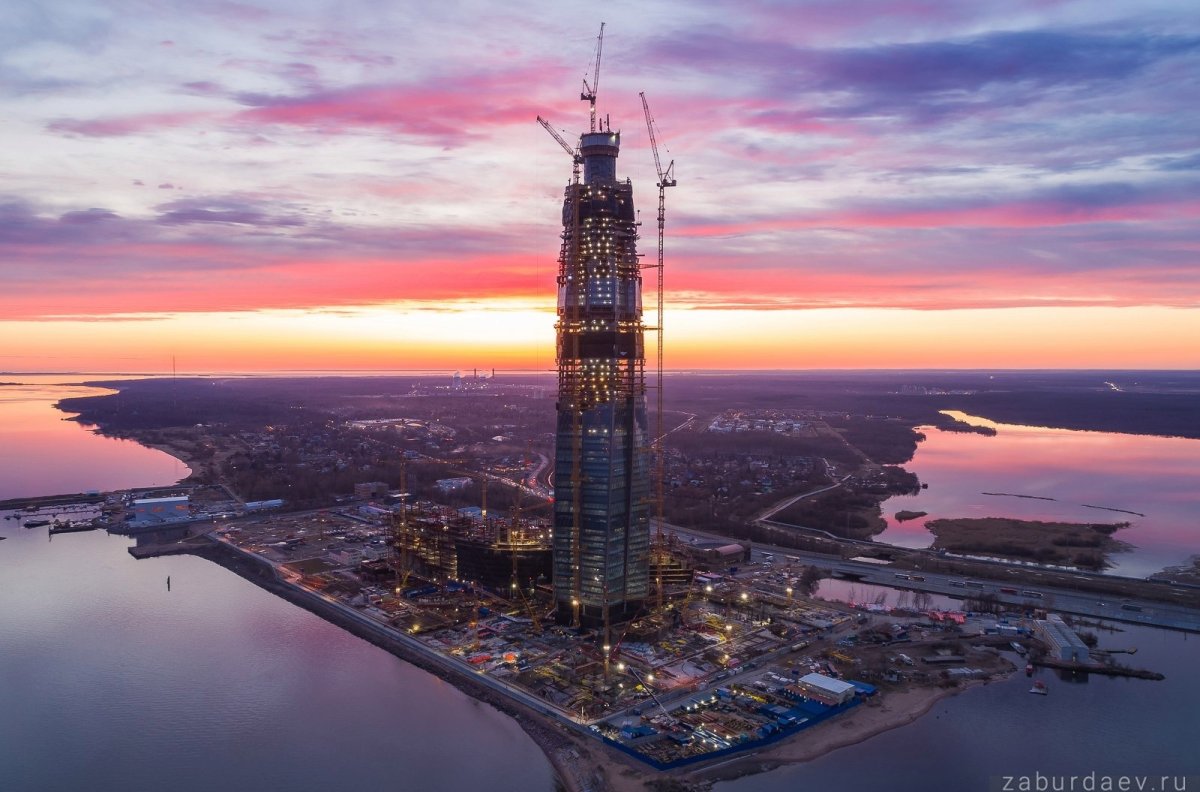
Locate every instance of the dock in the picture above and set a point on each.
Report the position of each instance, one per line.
(44, 501)
(1098, 668)
(69, 528)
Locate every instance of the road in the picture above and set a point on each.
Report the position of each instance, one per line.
(1149, 612)
(771, 512)
(539, 479)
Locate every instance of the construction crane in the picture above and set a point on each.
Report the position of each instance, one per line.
(665, 179)
(400, 539)
(516, 538)
(588, 94)
(576, 157)
(571, 253)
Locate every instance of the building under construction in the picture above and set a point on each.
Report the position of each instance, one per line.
(439, 545)
(602, 465)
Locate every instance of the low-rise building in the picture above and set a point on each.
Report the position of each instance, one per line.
(448, 485)
(825, 689)
(370, 489)
(1061, 641)
(154, 510)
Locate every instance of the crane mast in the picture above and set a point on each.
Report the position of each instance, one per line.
(665, 179)
(588, 94)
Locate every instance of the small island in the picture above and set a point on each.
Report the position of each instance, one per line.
(904, 515)
(1083, 545)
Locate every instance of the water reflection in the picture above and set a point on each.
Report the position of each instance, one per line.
(43, 453)
(854, 593)
(110, 680)
(1070, 475)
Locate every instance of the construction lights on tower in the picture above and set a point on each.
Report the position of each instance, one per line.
(602, 499)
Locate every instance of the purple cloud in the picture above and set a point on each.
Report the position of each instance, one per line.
(229, 211)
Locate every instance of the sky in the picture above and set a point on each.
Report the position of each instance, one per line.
(244, 186)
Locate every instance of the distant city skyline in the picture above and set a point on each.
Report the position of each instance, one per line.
(260, 186)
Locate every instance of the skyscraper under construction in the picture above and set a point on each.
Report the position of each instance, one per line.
(601, 471)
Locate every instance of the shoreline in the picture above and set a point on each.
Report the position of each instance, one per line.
(564, 751)
(871, 720)
(580, 762)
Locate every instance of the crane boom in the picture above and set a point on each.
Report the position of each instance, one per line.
(665, 178)
(567, 147)
(588, 94)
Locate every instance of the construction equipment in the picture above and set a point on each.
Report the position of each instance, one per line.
(571, 253)
(400, 538)
(665, 179)
(588, 94)
(516, 538)
(672, 721)
(576, 157)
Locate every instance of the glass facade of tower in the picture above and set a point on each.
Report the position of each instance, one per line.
(601, 473)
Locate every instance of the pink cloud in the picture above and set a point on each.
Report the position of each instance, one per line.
(451, 112)
(125, 125)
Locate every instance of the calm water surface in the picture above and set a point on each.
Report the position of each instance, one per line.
(1114, 726)
(41, 453)
(110, 682)
(1156, 476)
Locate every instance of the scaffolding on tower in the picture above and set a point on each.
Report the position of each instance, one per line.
(570, 372)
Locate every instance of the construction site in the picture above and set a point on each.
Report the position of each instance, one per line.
(671, 650)
(735, 657)
(650, 643)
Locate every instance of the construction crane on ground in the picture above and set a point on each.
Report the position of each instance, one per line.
(588, 94)
(400, 539)
(666, 178)
(650, 690)
(516, 537)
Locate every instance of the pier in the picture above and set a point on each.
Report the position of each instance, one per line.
(46, 501)
(1098, 668)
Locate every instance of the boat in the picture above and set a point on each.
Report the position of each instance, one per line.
(1029, 669)
(35, 523)
(1039, 687)
(1018, 648)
